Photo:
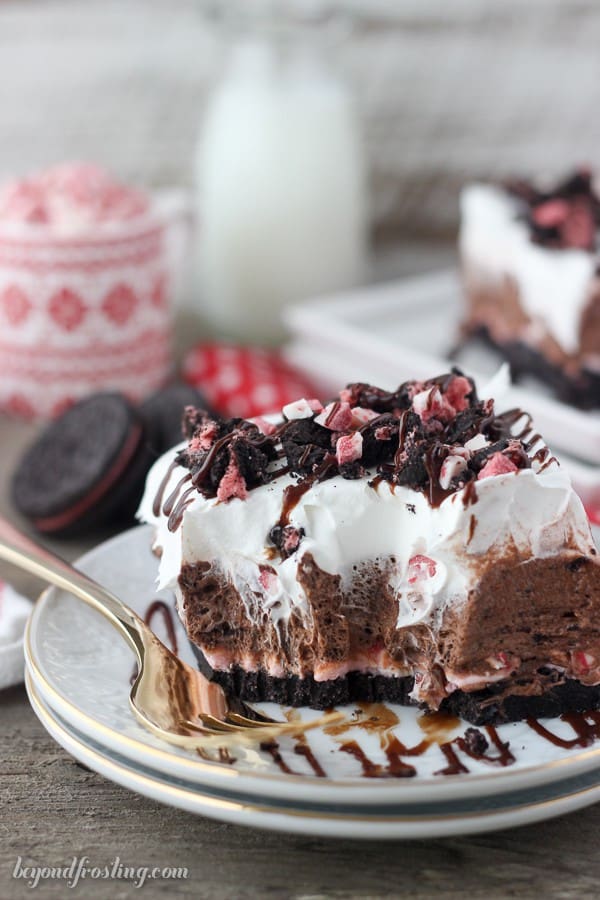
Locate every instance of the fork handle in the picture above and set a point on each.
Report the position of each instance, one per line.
(20, 551)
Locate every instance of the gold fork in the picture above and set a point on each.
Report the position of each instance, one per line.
(171, 699)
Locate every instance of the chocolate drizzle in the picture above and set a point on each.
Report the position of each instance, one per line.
(454, 767)
(157, 503)
(369, 768)
(272, 748)
(302, 748)
(406, 436)
(176, 514)
(159, 607)
(586, 726)
(292, 495)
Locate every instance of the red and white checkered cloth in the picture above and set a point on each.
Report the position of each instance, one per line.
(244, 381)
(14, 610)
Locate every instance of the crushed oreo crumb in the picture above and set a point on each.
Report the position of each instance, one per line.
(406, 435)
(286, 539)
(476, 742)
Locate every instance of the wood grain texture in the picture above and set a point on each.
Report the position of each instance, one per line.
(445, 91)
(53, 809)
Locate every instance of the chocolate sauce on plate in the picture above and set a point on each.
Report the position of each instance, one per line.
(159, 607)
(586, 726)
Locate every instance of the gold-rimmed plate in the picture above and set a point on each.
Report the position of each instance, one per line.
(408, 821)
(82, 669)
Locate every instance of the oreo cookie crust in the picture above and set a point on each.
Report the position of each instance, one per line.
(85, 470)
(485, 707)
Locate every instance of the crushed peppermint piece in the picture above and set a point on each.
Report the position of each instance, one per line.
(452, 467)
(336, 416)
(433, 436)
(476, 443)
(263, 425)
(268, 579)
(420, 567)
(362, 416)
(349, 448)
(232, 483)
(301, 409)
(497, 464)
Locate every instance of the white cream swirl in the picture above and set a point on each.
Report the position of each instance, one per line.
(348, 522)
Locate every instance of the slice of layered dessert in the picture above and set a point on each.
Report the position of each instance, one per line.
(414, 546)
(531, 271)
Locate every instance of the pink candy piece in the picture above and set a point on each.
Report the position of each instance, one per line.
(349, 448)
(301, 409)
(336, 416)
(71, 195)
(361, 416)
(457, 391)
(582, 662)
(263, 426)
(23, 201)
(497, 464)
(431, 404)
(232, 483)
(268, 580)
(206, 438)
(420, 567)
(292, 538)
(550, 214)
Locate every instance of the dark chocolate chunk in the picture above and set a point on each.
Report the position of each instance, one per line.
(305, 444)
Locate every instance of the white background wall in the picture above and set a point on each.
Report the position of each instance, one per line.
(447, 89)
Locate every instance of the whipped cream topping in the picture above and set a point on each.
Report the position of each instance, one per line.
(553, 284)
(437, 551)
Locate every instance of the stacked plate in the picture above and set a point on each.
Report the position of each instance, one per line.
(78, 678)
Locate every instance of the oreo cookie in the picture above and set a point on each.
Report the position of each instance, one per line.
(163, 414)
(86, 469)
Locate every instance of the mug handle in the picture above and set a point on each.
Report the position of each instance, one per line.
(175, 209)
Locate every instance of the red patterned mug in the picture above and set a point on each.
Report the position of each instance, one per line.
(85, 311)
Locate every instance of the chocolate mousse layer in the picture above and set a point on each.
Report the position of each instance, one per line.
(530, 621)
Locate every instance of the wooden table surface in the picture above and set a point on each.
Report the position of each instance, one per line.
(53, 810)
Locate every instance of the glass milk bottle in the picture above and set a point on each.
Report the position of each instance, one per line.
(281, 190)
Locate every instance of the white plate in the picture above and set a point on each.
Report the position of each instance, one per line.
(82, 669)
(405, 329)
(456, 817)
